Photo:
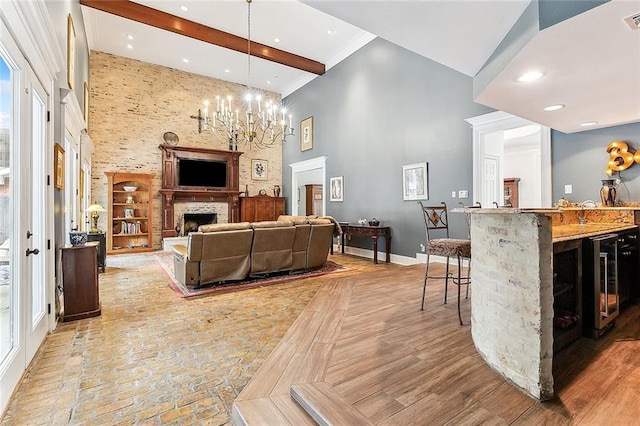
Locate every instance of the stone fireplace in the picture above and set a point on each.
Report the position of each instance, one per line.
(191, 222)
(198, 214)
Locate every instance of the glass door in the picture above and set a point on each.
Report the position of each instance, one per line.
(607, 288)
(34, 178)
(23, 160)
(12, 349)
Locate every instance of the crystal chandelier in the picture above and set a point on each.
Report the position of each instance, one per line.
(262, 124)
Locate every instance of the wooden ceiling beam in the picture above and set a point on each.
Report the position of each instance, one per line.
(165, 21)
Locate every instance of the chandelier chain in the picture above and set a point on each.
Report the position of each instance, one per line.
(249, 44)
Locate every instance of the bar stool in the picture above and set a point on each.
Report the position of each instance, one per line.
(436, 221)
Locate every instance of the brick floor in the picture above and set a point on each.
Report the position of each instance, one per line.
(153, 357)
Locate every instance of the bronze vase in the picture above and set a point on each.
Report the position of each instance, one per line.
(608, 193)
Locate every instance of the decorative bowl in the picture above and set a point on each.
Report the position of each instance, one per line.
(130, 188)
(77, 238)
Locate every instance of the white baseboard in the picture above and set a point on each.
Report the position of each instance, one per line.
(382, 256)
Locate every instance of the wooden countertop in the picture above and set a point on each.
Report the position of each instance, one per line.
(576, 231)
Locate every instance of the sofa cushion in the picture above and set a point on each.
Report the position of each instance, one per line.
(225, 255)
(300, 246)
(218, 227)
(272, 249)
(271, 224)
(296, 220)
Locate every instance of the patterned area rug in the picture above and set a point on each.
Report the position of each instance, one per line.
(165, 259)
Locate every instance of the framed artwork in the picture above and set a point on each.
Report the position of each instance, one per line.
(86, 104)
(415, 183)
(259, 169)
(71, 52)
(336, 185)
(58, 166)
(306, 134)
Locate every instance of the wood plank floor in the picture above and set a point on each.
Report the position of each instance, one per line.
(364, 353)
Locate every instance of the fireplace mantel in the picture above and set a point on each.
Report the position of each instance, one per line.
(172, 193)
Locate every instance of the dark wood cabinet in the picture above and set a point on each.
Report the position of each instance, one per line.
(314, 199)
(80, 281)
(102, 248)
(511, 195)
(256, 209)
(567, 293)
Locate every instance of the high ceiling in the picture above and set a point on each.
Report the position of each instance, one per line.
(591, 63)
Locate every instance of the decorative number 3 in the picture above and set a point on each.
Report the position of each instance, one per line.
(620, 158)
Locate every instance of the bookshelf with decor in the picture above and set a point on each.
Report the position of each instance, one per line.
(129, 226)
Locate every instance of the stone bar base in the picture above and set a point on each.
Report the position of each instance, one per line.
(512, 297)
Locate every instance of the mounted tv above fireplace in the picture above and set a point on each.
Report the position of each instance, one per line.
(197, 169)
(201, 173)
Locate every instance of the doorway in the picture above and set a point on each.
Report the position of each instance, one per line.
(517, 148)
(303, 173)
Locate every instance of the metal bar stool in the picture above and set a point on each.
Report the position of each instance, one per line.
(436, 221)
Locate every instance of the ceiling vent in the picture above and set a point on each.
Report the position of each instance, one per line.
(633, 21)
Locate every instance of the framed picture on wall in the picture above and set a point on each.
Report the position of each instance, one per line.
(306, 134)
(58, 166)
(259, 169)
(336, 186)
(415, 183)
(71, 52)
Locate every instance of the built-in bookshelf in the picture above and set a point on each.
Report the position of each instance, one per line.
(130, 226)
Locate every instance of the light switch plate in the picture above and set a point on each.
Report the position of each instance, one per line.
(568, 189)
(453, 194)
(463, 193)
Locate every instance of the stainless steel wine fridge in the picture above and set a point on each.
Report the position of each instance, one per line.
(601, 297)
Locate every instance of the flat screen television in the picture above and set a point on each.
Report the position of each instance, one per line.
(202, 173)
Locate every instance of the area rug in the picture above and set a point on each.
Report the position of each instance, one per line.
(165, 260)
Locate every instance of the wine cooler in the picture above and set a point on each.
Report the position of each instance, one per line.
(601, 297)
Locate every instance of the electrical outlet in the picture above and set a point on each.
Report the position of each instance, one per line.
(453, 194)
(568, 189)
(463, 193)
(422, 248)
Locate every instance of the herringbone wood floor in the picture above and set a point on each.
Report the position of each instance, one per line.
(363, 353)
(153, 358)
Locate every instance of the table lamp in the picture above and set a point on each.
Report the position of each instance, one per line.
(94, 209)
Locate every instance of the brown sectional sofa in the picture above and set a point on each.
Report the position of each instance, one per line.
(235, 251)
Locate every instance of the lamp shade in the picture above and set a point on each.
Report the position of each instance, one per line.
(96, 208)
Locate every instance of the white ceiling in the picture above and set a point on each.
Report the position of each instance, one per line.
(591, 62)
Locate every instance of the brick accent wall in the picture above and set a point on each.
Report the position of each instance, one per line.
(132, 105)
(512, 297)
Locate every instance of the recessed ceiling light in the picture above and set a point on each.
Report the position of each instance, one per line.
(268, 82)
(129, 46)
(184, 8)
(554, 107)
(185, 60)
(227, 71)
(276, 40)
(330, 32)
(130, 37)
(530, 76)
(589, 123)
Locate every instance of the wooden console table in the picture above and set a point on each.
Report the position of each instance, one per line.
(370, 231)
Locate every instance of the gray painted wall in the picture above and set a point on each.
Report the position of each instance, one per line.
(580, 159)
(379, 109)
